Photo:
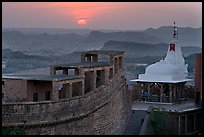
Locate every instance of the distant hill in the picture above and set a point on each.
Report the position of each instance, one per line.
(9, 54)
(61, 41)
(81, 31)
(96, 39)
(187, 36)
(17, 61)
(122, 36)
(133, 49)
(41, 44)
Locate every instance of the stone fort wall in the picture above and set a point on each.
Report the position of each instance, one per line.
(103, 111)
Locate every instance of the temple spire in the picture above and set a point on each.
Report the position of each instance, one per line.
(175, 31)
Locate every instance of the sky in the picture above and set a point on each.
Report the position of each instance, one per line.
(101, 15)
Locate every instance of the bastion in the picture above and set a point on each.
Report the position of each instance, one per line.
(85, 98)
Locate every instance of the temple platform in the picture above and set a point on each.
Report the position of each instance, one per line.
(175, 107)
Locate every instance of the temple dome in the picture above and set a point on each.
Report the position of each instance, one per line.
(171, 69)
(162, 68)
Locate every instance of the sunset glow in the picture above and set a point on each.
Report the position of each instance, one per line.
(107, 15)
(82, 22)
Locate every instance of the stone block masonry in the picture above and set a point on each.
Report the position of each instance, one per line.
(106, 111)
(96, 101)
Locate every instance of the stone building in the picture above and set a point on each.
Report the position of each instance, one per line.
(88, 97)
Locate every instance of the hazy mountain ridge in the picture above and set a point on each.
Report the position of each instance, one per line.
(96, 39)
(133, 49)
(123, 36)
(42, 43)
(58, 44)
(80, 31)
(187, 36)
(16, 60)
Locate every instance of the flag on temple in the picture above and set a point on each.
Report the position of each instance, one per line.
(172, 47)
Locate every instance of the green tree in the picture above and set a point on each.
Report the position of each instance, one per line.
(13, 131)
(159, 121)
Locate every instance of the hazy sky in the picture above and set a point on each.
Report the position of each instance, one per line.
(101, 15)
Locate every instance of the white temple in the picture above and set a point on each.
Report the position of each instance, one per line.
(164, 81)
(171, 69)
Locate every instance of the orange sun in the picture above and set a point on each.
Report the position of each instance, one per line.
(81, 22)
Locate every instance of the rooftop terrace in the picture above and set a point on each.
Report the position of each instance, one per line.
(83, 64)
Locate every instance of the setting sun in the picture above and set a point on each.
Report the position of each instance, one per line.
(81, 22)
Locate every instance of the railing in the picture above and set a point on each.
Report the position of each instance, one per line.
(156, 98)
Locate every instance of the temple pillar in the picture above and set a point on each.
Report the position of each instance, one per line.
(174, 92)
(161, 92)
(148, 90)
(170, 93)
(183, 91)
(178, 92)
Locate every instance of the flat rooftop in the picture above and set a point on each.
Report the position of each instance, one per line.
(40, 77)
(108, 52)
(83, 64)
(176, 107)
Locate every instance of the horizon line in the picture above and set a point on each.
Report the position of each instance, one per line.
(96, 28)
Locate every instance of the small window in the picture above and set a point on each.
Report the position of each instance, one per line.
(2, 82)
(2, 95)
(35, 97)
(47, 95)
